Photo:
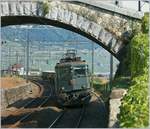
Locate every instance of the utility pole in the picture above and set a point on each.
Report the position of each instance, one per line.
(17, 57)
(17, 60)
(27, 59)
(139, 5)
(116, 2)
(24, 60)
(92, 63)
(3, 64)
(111, 71)
(50, 59)
(9, 56)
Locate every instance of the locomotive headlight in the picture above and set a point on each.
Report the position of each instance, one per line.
(62, 89)
(72, 82)
(83, 86)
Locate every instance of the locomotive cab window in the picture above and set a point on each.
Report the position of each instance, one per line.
(65, 73)
(80, 71)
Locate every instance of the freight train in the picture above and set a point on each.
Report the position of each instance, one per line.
(72, 80)
(49, 76)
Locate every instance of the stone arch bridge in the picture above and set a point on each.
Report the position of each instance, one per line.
(108, 25)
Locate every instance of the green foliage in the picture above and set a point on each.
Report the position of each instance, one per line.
(101, 88)
(145, 23)
(98, 86)
(134, 108)
(136, 28)
(139, 54)
(121, 82)
(126, 63)
(45, 7)
(134, 61)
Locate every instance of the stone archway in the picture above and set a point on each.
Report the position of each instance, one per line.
(100, 25)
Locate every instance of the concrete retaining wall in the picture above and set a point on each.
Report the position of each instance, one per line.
(9, 96)
(114, 104)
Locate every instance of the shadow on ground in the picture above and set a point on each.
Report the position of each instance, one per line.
(46, 117)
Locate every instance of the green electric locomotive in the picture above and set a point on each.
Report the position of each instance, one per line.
(72, 81)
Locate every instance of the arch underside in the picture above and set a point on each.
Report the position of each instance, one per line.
(20, 20)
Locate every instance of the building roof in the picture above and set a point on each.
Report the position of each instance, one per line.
(17, 66)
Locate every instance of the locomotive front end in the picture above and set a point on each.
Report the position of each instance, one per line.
(72, 82)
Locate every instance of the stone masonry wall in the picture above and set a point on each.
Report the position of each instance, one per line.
(114, 104)
(9, 96)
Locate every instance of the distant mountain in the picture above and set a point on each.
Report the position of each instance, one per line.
(45, 34)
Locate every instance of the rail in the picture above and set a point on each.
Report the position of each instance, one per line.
(57, 119)
(80, 117)
(29, 114)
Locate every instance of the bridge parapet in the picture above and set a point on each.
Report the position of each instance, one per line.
(99, 4)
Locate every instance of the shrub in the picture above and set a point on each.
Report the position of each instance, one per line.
(45, 7)
(145, 23)
(139, 54)
(134, 108)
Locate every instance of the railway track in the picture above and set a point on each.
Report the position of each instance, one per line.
(75, 122)
(28, 114)
(100, 100)
(34, 103)
(57, 119)
(67, 118)
(81, 116)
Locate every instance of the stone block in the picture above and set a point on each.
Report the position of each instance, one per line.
(108, 39)
(114, 111)
(12, 8)
(20, 8)
(34, 8)
(80, 21)
(101, 36)
(73, 19)
(67, 16)
(117, 46)
(117, 93)
(86, 25)
(27, 8)
(60, 15)
(4, 9)
(94, 29)
(39, 9)
(54, 13)
(114, 104)
(4, 103)
(113, 42)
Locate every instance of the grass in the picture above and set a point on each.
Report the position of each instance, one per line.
(101, 85)
(121, 82)
(11, 81)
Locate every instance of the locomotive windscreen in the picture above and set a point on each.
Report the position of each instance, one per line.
(65, 73)
(80, 70)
